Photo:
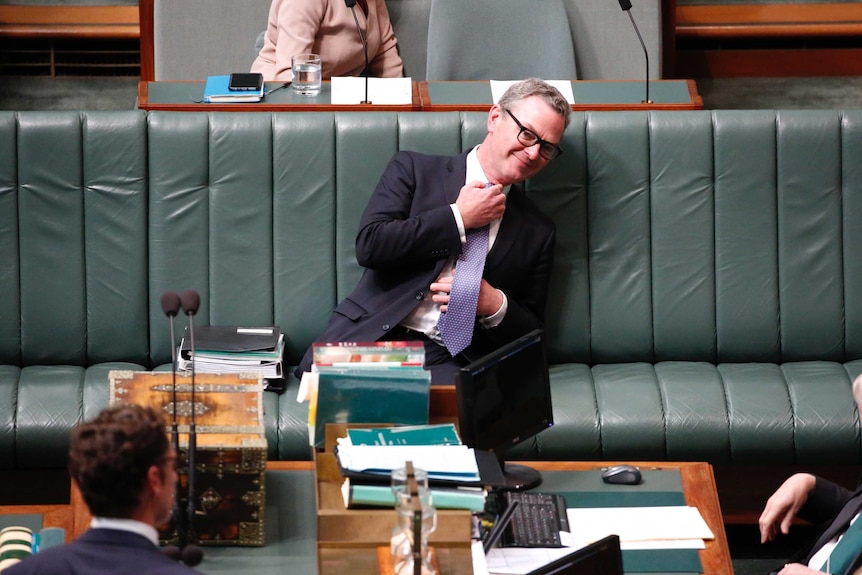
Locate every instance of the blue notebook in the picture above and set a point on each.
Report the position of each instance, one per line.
(217, 91)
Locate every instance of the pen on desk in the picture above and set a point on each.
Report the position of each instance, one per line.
(277, 88)
(499, 527)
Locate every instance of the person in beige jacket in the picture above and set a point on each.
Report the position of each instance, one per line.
(326, 27)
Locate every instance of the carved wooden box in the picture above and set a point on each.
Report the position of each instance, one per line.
(230, 459)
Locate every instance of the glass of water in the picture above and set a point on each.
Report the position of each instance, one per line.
(306, 74)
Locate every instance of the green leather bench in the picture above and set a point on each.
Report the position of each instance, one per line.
(706, 302)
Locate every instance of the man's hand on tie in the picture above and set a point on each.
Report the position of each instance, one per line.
(480, 205)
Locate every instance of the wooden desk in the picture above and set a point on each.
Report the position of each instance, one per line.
(427, 97)
(188, 96)
(589, 95)
(698, 483)
(290, 538)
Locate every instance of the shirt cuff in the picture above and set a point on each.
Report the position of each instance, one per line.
(459, 222)
(496, 318)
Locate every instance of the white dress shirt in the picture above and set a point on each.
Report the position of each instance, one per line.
(425, 316)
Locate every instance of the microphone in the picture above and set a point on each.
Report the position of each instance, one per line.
(171, 307)
(626, 5)
(352, 5)
(191, 555)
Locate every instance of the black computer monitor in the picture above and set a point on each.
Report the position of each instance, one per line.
(504, 398)
(602, 557)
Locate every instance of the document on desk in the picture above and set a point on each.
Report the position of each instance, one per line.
(449, 462)
(640, 527)
(351, 90)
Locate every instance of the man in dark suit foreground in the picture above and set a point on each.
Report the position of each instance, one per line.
(416, 224)
(824, 503)
(126, 470)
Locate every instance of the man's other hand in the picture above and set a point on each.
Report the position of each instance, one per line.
(490, 298)
(798, 569)
(781, 508)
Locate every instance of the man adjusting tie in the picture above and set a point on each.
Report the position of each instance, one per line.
(455, 254)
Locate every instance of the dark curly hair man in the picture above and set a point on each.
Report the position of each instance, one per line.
(125, 468)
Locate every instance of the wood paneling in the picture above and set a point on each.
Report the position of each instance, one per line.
(69, 21)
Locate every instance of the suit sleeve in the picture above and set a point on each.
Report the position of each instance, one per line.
(408, 220)
(527, 295)
(298, 22)
(824, 501)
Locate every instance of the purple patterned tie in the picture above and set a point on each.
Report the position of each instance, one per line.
(456, 325)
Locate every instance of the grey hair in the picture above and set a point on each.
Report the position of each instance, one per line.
(541, 89)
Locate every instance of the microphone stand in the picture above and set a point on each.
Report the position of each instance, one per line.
(191, 555)
(171, 306)
(626, 5)
(352, 5)
(179, 510)
(192, 430)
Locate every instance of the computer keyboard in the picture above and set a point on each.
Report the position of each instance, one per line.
(537, 520)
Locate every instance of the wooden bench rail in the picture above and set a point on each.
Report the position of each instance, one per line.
(69, 22)
(755, 40)
(768, 20)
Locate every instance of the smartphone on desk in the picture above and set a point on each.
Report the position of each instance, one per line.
(246, 81)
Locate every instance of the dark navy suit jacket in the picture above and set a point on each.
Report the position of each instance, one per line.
(831, 506)
(408, 232)
(101, 552)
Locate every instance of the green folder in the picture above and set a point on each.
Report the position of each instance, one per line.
(368, 395)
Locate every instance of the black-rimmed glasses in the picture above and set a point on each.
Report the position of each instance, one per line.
(528, 137)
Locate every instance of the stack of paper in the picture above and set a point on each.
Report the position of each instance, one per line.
(364, 493)
(221, 349)
(674, 527)
(455, 463)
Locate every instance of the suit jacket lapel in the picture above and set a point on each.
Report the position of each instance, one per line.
(510, 227)
(453, 177)
(840, 523)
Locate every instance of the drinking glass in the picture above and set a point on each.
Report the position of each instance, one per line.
(306, 74)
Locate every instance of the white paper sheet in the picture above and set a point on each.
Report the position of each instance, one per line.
(454, 462)
(638, 523)
(351, 90)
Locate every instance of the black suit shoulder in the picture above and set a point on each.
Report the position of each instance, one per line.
(101, 552)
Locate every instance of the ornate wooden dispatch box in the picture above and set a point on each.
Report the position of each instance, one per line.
(230, 460)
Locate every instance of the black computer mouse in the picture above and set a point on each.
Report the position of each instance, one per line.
(622, 475)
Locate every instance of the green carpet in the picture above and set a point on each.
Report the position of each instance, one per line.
(68, 93)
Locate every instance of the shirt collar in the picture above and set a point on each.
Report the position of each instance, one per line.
(475, 171)
(130, 525)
